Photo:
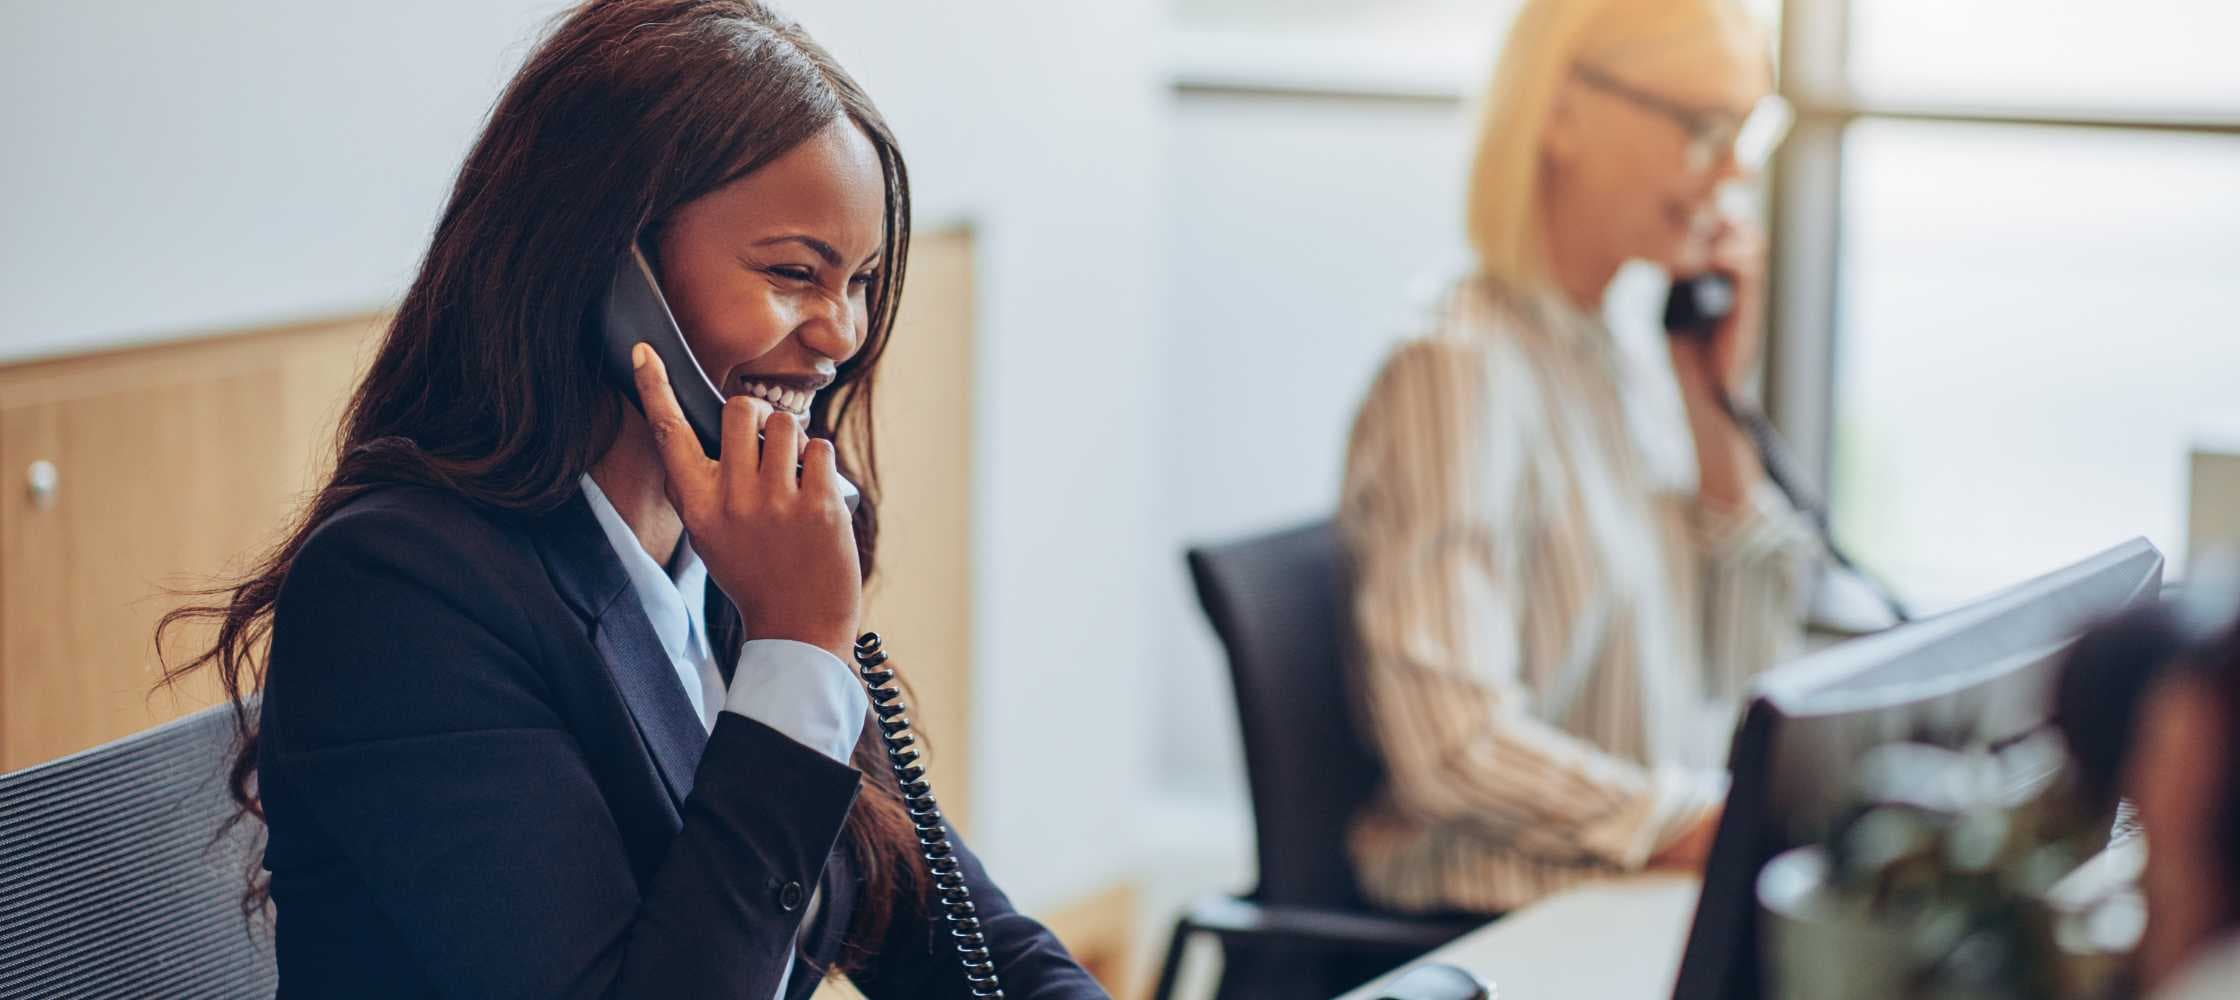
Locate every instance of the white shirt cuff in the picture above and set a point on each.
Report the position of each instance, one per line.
(801, 691)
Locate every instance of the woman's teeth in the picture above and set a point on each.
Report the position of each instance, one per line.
(791, 400)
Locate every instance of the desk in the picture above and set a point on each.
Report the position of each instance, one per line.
(1620, 938)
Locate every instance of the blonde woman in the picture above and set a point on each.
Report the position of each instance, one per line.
(1547, 628)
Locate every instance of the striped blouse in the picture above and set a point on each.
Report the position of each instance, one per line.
(1552, 631)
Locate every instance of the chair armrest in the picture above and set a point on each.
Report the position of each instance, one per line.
(1229, 916)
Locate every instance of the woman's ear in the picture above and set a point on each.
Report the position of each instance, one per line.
(1560, 133)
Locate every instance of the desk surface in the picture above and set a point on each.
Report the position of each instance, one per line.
(1620, 938)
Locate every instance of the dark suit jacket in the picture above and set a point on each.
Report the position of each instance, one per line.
(482, 779)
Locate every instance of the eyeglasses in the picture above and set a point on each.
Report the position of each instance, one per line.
(1712, 132)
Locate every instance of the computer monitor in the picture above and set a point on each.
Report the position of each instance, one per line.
(1980, 673)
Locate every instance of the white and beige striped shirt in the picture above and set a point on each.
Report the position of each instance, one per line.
(1552, 633)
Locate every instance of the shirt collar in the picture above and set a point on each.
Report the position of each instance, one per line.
(672, 598)
(1545, 313)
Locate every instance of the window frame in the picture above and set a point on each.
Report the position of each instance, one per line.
(1806, 191)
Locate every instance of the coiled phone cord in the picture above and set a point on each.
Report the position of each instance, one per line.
(925, 817)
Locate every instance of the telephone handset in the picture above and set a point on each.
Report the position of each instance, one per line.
(636, 312)
(1694, 310)
(1698, 304)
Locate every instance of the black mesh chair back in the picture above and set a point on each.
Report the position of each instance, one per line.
(114, 880)
(1280, 606)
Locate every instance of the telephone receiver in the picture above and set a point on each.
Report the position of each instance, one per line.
(1698, 304)
(636, 312)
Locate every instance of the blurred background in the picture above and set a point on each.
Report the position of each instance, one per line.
(1164, 244)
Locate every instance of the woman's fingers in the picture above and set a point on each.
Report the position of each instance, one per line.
(689, 470)
(820, 470)
(1738, 250)
(743, 418)
(781, 449)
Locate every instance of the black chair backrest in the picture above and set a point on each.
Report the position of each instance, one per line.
(113, 881)
(1281, 604)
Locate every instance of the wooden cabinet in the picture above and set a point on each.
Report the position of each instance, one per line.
(128, 475)
(920, 598)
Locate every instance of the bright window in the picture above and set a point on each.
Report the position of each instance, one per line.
(2021, 224)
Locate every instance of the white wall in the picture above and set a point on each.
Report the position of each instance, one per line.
(1301, 232)
(182, 167)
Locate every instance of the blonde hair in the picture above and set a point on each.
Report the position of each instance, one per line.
(1502, 217)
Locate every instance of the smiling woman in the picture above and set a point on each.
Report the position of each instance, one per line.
(511, 741)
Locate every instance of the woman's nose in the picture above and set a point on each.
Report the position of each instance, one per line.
(830, 329)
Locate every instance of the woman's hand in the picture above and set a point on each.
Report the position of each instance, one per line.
(1712, 369)
(1692, 849)
(1722, 361)
(779, 544)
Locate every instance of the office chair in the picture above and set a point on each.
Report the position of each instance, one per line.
(1280, 604)
(113, 879)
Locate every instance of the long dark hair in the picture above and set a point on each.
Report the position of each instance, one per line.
(488, 382)
(2111, 673)
(2220, 678)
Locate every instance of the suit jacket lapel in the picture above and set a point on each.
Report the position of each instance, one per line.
(589, 576)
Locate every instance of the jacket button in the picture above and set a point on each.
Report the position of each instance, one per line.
(790, 897)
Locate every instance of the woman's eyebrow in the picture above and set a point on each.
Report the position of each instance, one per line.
(819, 247)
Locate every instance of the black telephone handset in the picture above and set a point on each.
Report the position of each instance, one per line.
(636, 312)
(1696, 307)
